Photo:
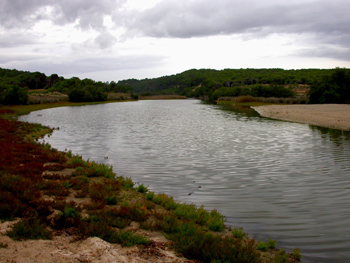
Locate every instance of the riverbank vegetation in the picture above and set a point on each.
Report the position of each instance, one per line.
(53, 193)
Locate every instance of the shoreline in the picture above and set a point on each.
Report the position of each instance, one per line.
(333, 116)
(73, 197)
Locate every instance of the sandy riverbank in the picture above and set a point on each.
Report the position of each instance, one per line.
(335, 116)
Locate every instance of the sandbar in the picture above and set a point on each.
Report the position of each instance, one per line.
(334, 116)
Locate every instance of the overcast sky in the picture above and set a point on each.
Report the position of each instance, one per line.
(119, 39)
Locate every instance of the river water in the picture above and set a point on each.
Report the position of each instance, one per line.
(278, 180)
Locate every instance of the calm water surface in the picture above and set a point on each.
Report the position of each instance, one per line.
(279, 180)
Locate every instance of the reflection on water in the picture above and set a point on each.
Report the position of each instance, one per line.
(239, 109)
(279, 180)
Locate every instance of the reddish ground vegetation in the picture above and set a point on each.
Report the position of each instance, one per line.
(21, 166)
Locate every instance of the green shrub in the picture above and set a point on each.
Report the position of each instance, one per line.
(238, 233)
(296, 254)
(262, 246)
(127, 182)
(332, 89)
(103, 170)
(70, 212)
(13, 95)
(216, 221)
(31, 228)
(207, 247)
(165, 201)
(66, 184)
(76, 160)
(186, 211)
(271, 243)
(281, 256)
(112, 218)
(127, 238)
(142, 189)
(99, 228)
(112, 200)
(150, 196)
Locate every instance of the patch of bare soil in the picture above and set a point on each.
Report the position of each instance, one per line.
(64, 248)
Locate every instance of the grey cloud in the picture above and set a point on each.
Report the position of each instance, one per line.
(326, 52)
(89, 13)
(190, 18)
(25, 13)
(80, 66)
(20, 13)
(11, 40)
(105, 40)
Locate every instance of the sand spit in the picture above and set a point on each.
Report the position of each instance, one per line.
(334, 116)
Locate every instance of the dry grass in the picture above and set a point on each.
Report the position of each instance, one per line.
(40, 97)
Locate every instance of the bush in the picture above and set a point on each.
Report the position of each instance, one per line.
(14, 95)
(112, 200)
(142, 189)
(264, 246)
(150, 196)
(91, 228)
(238, 233)
(31, 228)
(127, 183)
(331, 89)
(296, 254)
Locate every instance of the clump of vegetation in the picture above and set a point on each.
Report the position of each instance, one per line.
(296, 254)
(96, 228)
(142, 189)
(265, 246)
(90, 169)
(31, 228)
(238, 233)
(334, 88)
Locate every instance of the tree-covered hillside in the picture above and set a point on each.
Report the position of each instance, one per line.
(196, 83)
(15, 84)
(325, 85)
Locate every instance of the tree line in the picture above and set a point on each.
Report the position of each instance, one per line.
(15, 84)
(326, 85)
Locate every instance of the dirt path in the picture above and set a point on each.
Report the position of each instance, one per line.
(335, 116)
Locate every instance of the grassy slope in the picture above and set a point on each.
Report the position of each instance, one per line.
(55, 192)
